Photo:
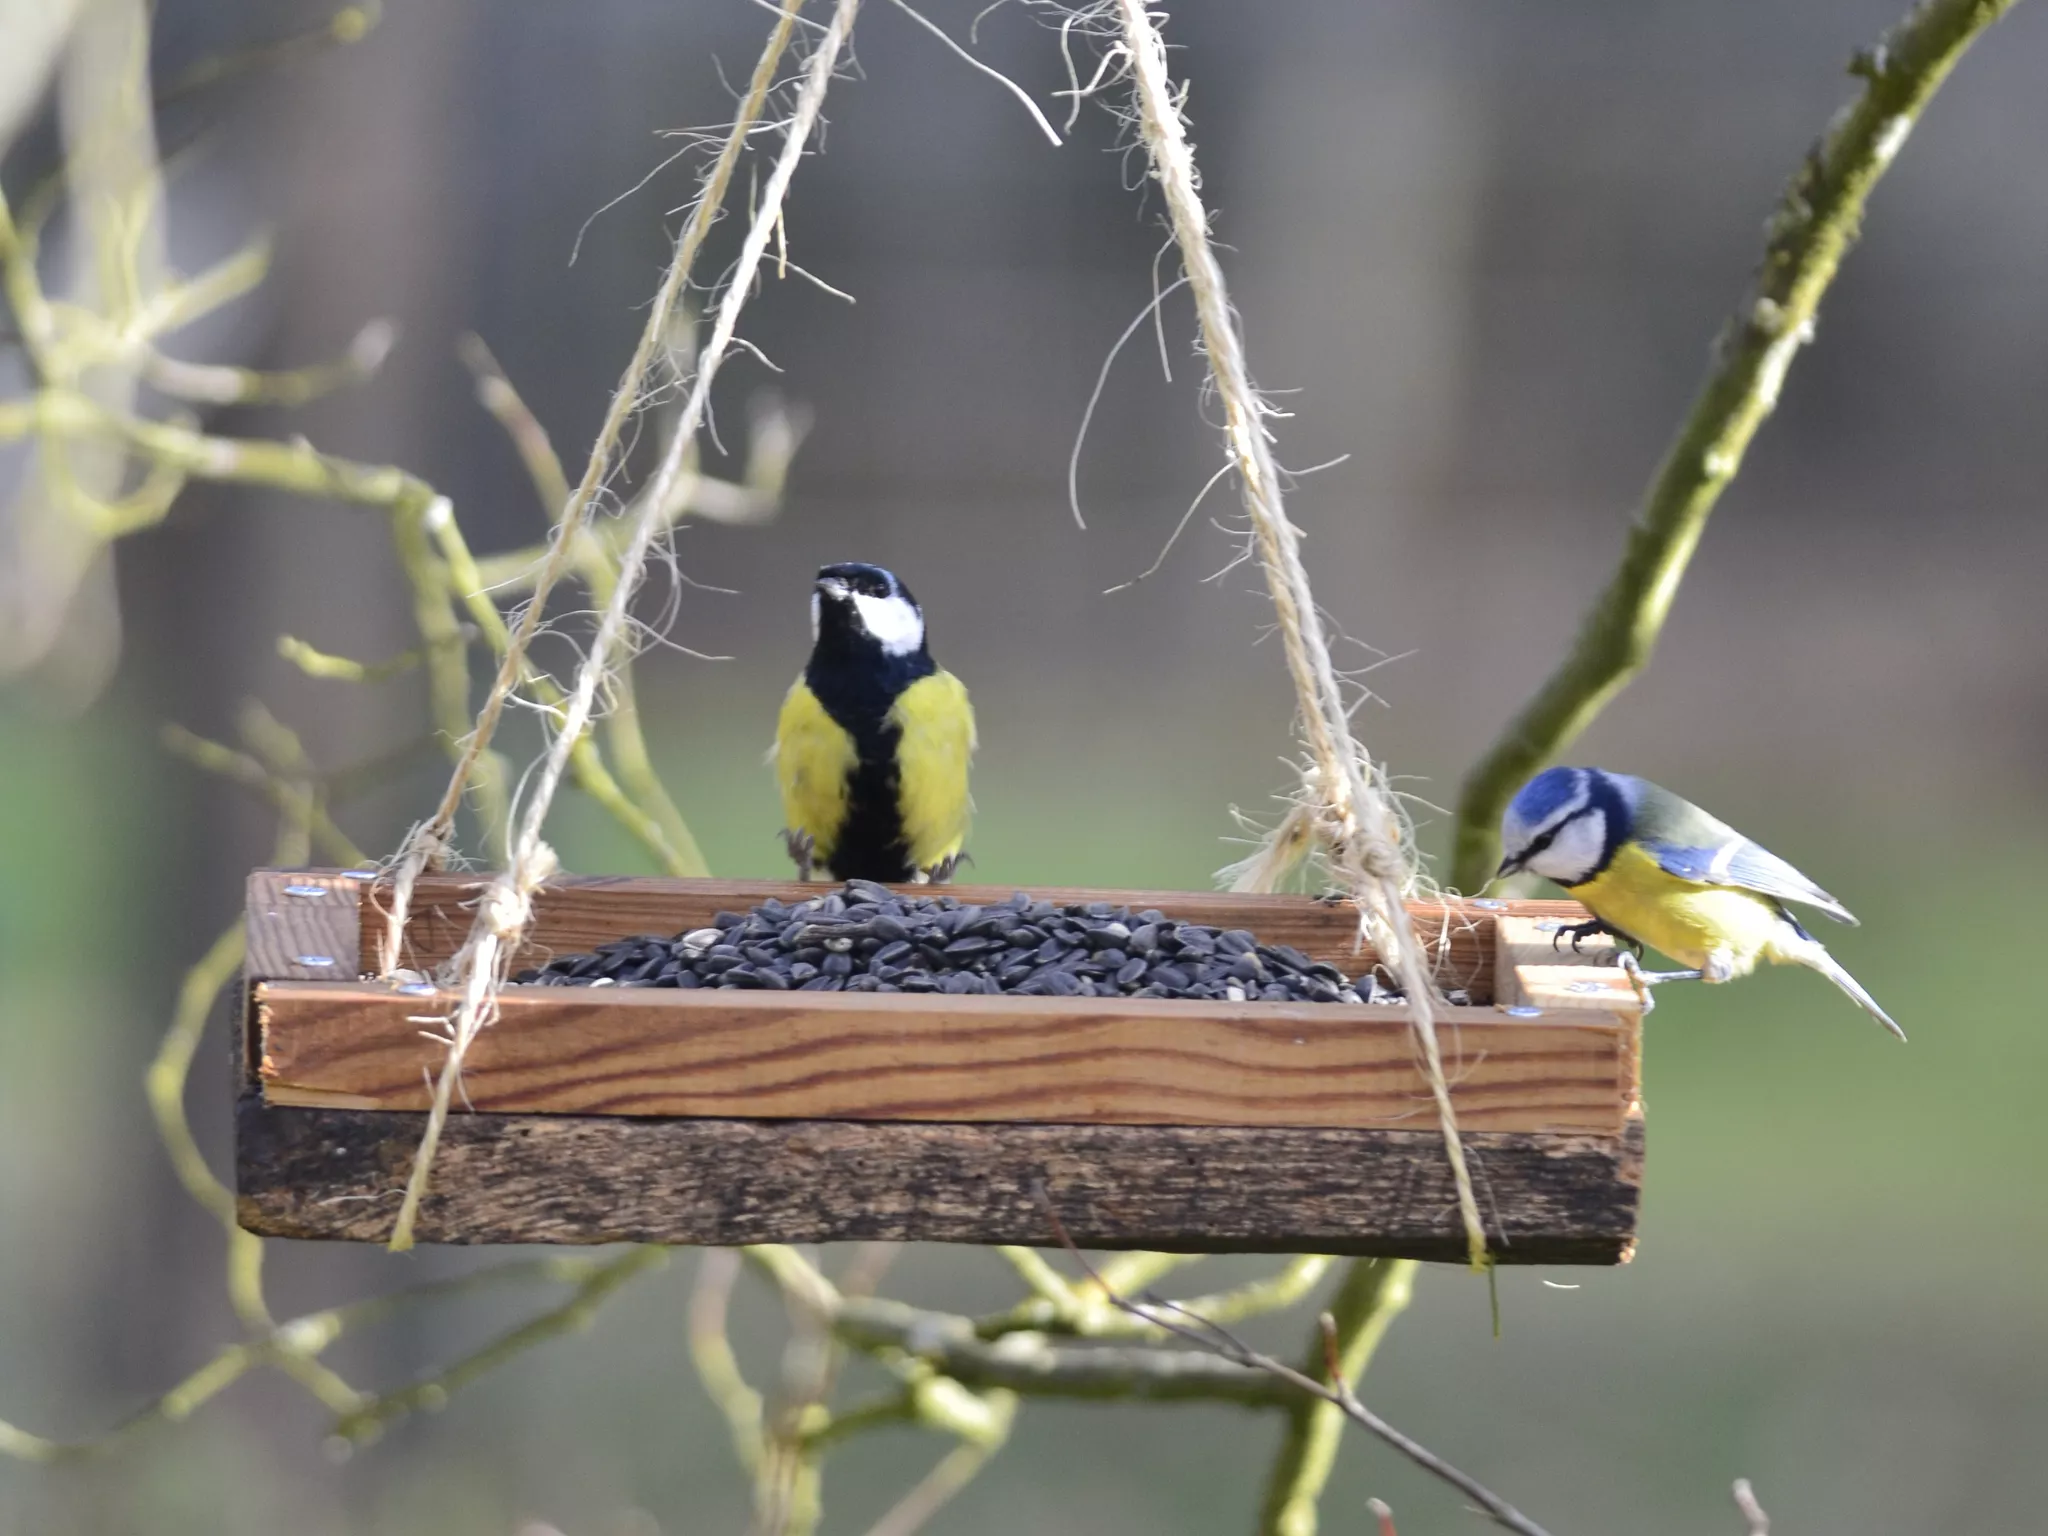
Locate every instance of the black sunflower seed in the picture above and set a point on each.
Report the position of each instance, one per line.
(863, 937)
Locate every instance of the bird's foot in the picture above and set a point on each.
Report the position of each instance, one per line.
(1633, 970)
(802, 849)
(1643, 980)
(1580, 932)
(942, 871)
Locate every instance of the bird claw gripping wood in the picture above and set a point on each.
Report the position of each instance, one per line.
(1580, 932)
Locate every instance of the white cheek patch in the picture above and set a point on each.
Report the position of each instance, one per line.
(817, 603)
(1575, 852)
(895, 624)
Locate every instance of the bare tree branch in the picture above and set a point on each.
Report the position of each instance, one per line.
(1224, 1345)
(1815, 223)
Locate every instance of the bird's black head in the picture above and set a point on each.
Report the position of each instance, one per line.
(864, 610)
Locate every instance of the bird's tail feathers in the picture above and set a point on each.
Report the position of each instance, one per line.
(1814, 956)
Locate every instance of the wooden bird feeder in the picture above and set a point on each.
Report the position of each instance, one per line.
(595, 1115)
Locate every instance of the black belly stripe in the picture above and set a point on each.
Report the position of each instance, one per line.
(871, 844)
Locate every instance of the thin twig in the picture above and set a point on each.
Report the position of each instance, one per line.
(292, 799)
(956, 1469)
(1045, 1282)
(289, 1347)
(221, 384)
(1373, 1293)
(1214, 1340)
(1815, 223)
(711, 1352)
(1033, 1366)
(374, 1416)
(1759, 1523)
(1087, 1313)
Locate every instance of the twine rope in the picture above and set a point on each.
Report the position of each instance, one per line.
(479, 966)
(428, 844)
(1354, 814)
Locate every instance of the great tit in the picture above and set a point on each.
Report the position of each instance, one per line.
(872, 748)
(1656, 870)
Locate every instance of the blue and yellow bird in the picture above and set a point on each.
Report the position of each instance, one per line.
(1656, 870)
(872, 748)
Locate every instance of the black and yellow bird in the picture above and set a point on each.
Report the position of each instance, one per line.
(872, 748)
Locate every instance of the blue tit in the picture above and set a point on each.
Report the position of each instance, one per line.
(872, 748)
(1657, 870)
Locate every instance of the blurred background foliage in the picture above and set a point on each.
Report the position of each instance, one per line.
(1488, 244)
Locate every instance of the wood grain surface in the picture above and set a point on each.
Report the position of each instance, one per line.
(571, 915)
(1355, 1164)
(868, 1056)
(302, 925)
(329, 1173)
(1535, 968)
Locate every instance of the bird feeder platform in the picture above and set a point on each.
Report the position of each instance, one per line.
(720, 1116)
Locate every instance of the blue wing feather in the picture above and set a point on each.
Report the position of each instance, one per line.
(1746, 866)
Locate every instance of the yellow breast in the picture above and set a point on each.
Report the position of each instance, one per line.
(1688, 921)
(938, 738)
(814, 756)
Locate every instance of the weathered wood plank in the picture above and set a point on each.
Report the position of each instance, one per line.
(326, 1173)
(571, 915)
(867, 1056)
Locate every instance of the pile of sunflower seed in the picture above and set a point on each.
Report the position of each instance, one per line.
(867, 938)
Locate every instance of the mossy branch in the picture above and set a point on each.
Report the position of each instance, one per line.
(296, 799)
(1033, 1366)
(591, 1290)
(1815, 223)
(1374, 1293)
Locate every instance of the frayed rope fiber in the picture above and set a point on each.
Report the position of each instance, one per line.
(478, 969)
(1354, 816)
(428, 844)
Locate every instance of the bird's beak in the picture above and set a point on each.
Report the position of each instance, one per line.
(1507, 867)
(832, 587)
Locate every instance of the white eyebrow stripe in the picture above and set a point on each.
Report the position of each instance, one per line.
(1564, 813)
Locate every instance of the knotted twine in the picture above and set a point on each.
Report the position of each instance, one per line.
(1352, 814)
(478, 968)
